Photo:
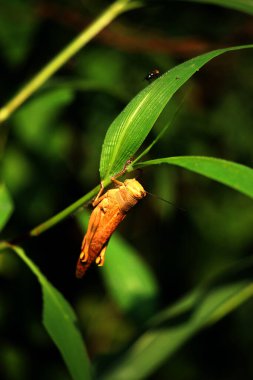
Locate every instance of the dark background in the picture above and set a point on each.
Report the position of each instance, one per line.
(50, 151)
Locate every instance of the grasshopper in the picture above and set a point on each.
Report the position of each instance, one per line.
(109, 211)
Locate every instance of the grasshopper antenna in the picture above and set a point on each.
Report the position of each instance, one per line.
(166, 200)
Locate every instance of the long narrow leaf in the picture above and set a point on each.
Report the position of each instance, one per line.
(240, 5)
(129, 280)
(60, 322)
(237, 176)
(160, 343)
(130, 128)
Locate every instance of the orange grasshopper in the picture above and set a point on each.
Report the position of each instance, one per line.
(109, 211)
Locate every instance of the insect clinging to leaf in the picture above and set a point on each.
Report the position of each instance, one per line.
(153, 74)
(109, 211)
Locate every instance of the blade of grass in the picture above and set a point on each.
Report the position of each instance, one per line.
(158, 344)
(237, 176)
(131, 127)
(161, 133)
(60, 322)
(81, 40)
(128, 131)
(240, 5)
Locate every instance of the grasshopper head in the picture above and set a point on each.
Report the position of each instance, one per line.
(135, 188)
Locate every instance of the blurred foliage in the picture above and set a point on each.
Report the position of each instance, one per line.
(50, 150)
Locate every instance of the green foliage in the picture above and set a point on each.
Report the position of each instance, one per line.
(6, 206)
(130, 128)
(240, 5)
(138, 310)
(162, 341)
(239, 177)
(129, 281)
(17, 23)
(35, 122)
(60, 321)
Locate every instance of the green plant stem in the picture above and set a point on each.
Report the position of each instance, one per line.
(81, 40)
(70, 209)
(67, 211)
(63, 214)
(38, 230)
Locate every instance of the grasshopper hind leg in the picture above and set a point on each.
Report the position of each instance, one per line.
(101, 257)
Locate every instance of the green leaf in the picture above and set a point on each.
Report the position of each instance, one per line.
(128, 279)
(234, 175)
(240, 5)
(6, 206)
(60, 322)
(16, 34)
(132, 125)
(35, 123)
(160, 342)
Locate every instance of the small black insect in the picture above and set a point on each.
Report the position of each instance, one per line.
(154, 74)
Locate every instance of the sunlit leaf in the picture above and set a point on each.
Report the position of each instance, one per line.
(239, 177)
(130, 128)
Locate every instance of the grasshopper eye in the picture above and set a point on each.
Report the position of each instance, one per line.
(135, 188)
